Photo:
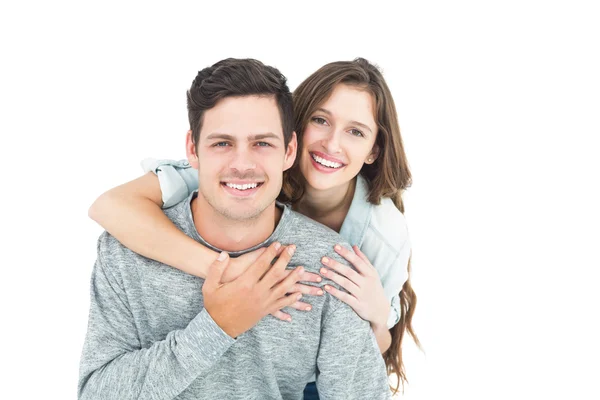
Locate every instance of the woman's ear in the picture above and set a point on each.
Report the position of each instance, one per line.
(190, 150)
(373, 155)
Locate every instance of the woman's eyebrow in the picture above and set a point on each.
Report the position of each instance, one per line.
(364, 126)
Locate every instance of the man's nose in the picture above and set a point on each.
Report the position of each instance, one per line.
(242, 161)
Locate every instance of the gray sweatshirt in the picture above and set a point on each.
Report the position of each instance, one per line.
(149, 336)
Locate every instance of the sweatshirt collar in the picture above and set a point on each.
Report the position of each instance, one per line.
(279, 232)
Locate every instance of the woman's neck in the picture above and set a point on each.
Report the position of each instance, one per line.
(328, 207)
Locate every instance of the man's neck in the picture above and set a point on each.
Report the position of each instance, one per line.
(233, 235)
(328, 207)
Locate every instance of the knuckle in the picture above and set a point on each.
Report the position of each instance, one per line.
(277, 274)
(271, 252)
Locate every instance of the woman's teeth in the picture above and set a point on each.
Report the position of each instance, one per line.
(242, 187)
(325, 162)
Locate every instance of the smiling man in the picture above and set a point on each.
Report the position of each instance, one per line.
(156, 332)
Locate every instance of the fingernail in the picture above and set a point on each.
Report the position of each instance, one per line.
(277, 246)
(291, 250)
(319, 279)
(299, 296)
(320, 292)
(328, 288)
(338, 247)
(323, 271)
(289, 319)
(308, 308)
(222, 256)
(325, 260)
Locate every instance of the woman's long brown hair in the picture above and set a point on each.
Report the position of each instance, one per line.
(388, 176)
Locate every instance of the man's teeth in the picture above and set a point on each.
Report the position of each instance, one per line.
(325, 162)
(242, 187)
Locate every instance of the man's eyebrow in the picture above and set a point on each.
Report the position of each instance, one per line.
(258, 136)
(262, 136)
(218, 135)
(364, 126)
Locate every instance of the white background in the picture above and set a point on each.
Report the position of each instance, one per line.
(499, 109)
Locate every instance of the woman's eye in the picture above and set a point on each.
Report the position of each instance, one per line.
(356, 132)
(319, 120)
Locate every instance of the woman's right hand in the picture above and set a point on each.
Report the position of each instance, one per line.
(237, 266)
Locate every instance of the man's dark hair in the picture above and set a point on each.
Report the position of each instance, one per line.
(238, 77)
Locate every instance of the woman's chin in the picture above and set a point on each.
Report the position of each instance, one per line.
(323, 183)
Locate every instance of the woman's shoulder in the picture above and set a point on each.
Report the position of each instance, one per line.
(388, 222)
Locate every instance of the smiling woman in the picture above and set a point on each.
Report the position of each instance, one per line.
(335, 144)
(350, 175)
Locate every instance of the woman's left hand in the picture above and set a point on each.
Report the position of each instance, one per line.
(365, 292)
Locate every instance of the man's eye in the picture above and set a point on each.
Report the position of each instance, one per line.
(263, 144)
(221, 144)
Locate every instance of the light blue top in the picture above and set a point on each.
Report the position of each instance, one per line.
(379, 231)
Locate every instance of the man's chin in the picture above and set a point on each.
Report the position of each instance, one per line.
(240, 211)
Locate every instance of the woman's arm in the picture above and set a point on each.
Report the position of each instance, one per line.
(132, 214)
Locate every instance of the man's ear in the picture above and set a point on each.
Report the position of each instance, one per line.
(290, 152)
(373, 155)
(190, 150)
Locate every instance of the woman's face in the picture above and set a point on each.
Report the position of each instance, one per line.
(339, 138)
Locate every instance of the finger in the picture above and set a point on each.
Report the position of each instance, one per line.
(285, 286)
(352, 258)
(306, 289)
(281, 315)
(286, 301)
(306, 276)
(342, 269)
(252, 256)
(301, 306)
(343, 296)
(215, 272)
(278, 272)
(311, 277)
(263, 263)
(341, 280)
(362, 256)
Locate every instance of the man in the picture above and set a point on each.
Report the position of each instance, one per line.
(157, 333)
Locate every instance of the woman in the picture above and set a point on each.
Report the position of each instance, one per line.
(349, 175)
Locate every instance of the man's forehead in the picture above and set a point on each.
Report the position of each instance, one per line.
(247, 117)
(250, 136)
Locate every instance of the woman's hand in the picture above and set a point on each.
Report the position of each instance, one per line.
(365, 292)
(237, 266)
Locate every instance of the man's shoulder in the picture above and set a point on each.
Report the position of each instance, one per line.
(112, 253)
(306, 228)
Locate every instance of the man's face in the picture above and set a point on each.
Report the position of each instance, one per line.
(241, 156)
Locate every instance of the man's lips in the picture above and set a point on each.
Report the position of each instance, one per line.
(241, 188)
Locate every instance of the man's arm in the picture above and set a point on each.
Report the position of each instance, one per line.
(349, 362)
(115, 366)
